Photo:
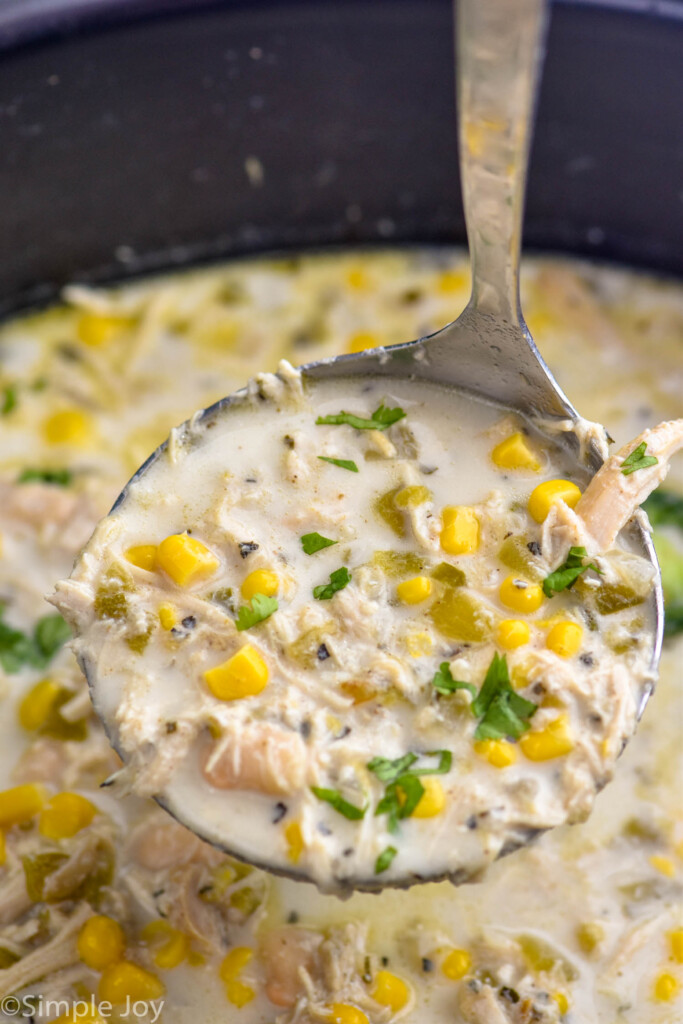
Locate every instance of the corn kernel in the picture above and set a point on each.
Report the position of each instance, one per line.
(664, 865)
(167, 616)
(95, 330)
(432, 801)
(419, 644)
(234, 962)
(676, 944)
(456, 964)
(185, 559)
(70, 426)
(414, 591)
(3, 848)
(243, 675)
(514, 453)
(295, 842)
(361, 341)
(562, 1002)
(665, 988)
(589, 936)
(65, 815)
(36, 706)
(344, 1013)
(357, 278)
(239, 994)
(520, 595)
(499, 753)
(546, 494)
(512, 633)
(390, 990)
(125, 981)
(460, 532)
(169, 945)
(101, 942)
(451, 281)
(260, 581)
(412, 497)
(553, 741)
(143, 556)
(21, 803)
(565, 639)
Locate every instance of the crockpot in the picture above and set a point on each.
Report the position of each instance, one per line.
(137, 135)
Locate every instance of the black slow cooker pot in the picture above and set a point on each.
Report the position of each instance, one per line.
(142, 134)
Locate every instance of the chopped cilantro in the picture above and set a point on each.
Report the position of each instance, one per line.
(57, 477)
(443, 681)
(339, 579)
(18, 650)
(664, 508)
(404, 789)
(342, 463)
(385, 858)
(638, 460)
(568, 573)
(387, 770)
(381, 419)
(259, 608)
(312, 542)
(334, 798)
(8, 399)
(501, 711)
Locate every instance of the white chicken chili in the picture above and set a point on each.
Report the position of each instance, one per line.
(352, 630)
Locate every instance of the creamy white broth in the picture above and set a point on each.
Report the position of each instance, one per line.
(570, 878)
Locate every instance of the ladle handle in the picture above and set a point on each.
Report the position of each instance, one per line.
(499, 50)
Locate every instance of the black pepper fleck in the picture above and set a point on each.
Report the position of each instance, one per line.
(323, 653)
(250, 480)
(324, 829)
(288, 441)
(292, 917)
(171, 727)
(305, 728)
(534, 547)
(587, 659)
(189, 622)
(247, 548)
(279, 813)
(385, 961)
(508, 994)
(472, 821)
(427, 964)
(348, 852)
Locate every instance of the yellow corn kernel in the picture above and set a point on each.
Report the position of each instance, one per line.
(419, 644)
(21, 803)
(344, 1013)
(665, 988)
(565, 639)
(167, 616)
(101, 942)
(456, 964)
(124, 981)
(243, 675)
(412, 497)
(460, 532)
(499, 753)
(143, 556)
(169, 946)
(514, 453)
(65, 815)
(234, 962)
(357, 278)
(36, 706)
(260, 581)
(239, 994)
(589, 936)
(520, 595)
(562, 1002)
(512, 633)
(664, 865)
(414, 591)
(185, 559)
(676, 944)
(295, 842)
(453, 281)
(553, 741)
(544, 496)
(432, 801)
(361, 341)
(96, 330)
(390, 990)
(70, 426)
(3, 848)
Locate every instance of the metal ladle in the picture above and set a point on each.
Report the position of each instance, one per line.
(488, 350)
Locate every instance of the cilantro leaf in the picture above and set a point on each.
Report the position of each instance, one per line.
(404, 790)
(638, 460)
(342, 463)
(501, 711)
(339, 579)
(385, 858)
(334, 798)
(18, 650)
(9, 399)
(58, 477)
(51, 633)
(568, 573)
(443, 681)
(381, 419)
(387, 770)
(312, 542)
(664, 508)
(259, 608)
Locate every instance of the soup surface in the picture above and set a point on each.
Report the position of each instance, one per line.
(102, 893)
